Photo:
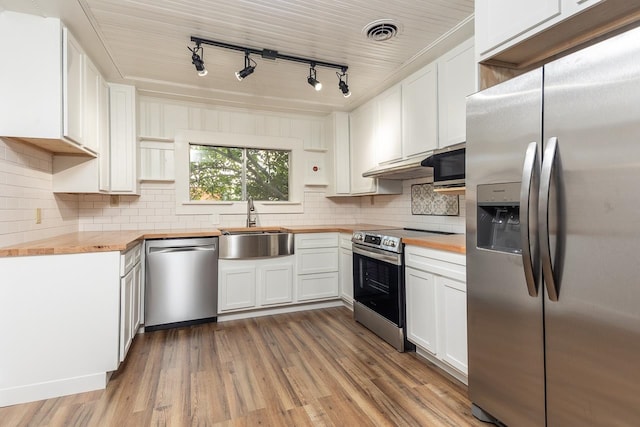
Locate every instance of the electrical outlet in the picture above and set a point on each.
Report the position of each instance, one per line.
(38, 215)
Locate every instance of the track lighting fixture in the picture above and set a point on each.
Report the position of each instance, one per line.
(198, 59)
(312, 78)
(342, 84)
(248, 68)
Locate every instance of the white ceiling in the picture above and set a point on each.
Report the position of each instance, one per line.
(145, 43)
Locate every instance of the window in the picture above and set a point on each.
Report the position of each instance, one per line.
(232, 174)
(212, 179)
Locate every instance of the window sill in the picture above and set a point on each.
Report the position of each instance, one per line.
(206, 207)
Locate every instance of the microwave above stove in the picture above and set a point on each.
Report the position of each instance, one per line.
(448, 166)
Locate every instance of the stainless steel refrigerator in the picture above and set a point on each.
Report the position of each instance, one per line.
(553, 242)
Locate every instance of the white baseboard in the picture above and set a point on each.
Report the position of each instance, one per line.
(279, 310)
(442, 365)
(50, 389)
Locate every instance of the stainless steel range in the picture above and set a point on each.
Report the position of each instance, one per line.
(378, 282)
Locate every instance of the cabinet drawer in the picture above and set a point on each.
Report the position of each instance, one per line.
(130, 258)
(316, 240)
(345, 241)
(317, 260)
(443, 263)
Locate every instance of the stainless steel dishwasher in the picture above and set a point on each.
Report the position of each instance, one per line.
(181, 285)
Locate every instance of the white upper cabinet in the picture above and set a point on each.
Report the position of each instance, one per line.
(338, 167)
(115, 171)
(363, 152)
(456, 80)
(363, 147)
(389, 125)
(124, 147)
(73, 88)
(91, 112)
(420, 112)
(48, 85)
(501, 24)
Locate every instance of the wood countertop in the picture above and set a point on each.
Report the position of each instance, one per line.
(96, 241)
(106, 241)
(451, 243)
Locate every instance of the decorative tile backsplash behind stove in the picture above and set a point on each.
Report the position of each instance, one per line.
(425, 201)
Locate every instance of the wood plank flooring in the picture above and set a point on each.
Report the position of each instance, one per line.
(312, 368)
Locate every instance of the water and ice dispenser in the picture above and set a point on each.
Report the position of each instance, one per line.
(499, 217)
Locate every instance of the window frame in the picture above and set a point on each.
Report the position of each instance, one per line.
(185, 206)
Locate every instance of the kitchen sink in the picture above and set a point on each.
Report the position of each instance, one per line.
(248, 244)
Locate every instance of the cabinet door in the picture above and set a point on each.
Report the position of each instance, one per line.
(104, 149)
(127, 284)
(389, 125)
(498, 21)
(91, 99)
(136, 302)
(456, 80)
(346, 274)
(363, 150)
(124, 177)
(72, 84)
(422, 328)
(453, 321)
(236, 286)
(318, 286)
(420, 112)
(338, 154)
(276, 283)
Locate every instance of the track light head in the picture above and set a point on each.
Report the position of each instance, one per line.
(312, 78)
(198, 60)
(248, 67)
(342, 84)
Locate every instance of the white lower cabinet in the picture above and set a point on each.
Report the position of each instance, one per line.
(345, 265)
(254, 283)
(317, 286)
(83, 312)
(437, 306)
(453, 323)
(236, 285)
(276, 283)
(130, 295)
(421, 309)
(317, 266)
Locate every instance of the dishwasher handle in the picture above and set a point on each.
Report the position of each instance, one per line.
(183, 249)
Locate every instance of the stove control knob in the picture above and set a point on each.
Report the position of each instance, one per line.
(385, 242)
(392, 243)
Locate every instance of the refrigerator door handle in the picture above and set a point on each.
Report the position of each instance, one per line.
(549, 160)
(530, 166)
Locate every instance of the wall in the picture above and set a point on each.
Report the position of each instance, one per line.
(155, 210)
(26, 184)
(395, 210)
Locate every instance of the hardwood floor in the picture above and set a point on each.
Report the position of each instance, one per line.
(311, 368)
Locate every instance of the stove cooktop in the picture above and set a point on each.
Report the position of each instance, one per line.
(391, 239)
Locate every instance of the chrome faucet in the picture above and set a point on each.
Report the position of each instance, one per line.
(251, 211)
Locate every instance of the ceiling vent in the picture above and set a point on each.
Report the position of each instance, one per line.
(381, 30)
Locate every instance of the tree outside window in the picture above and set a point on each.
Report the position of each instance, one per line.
(234, 174)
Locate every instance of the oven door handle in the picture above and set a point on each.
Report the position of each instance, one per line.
(391, 259)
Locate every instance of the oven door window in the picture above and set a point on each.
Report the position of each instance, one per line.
(376, 285)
